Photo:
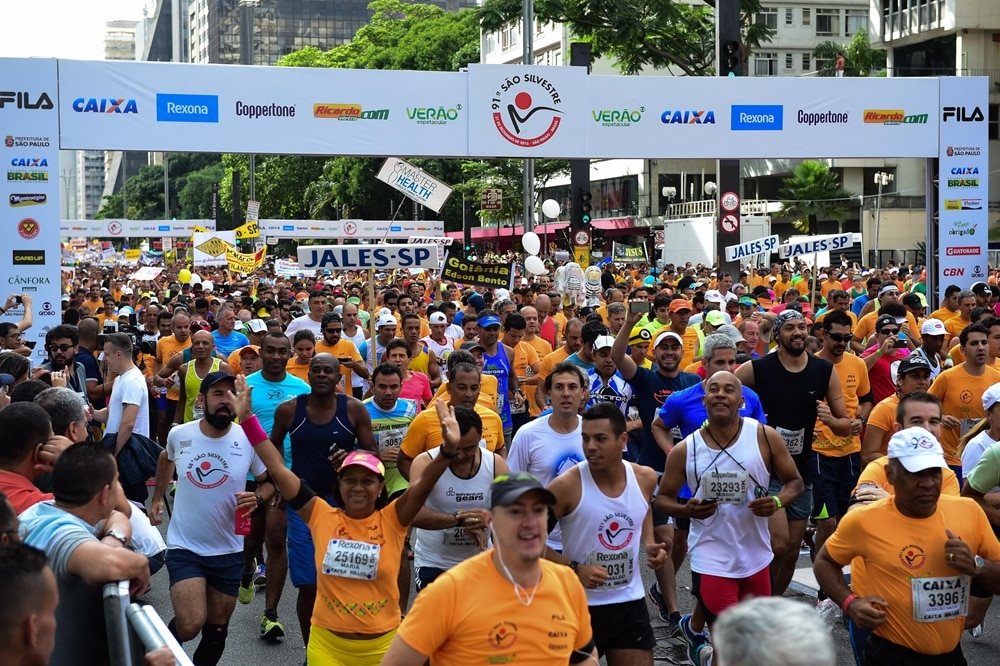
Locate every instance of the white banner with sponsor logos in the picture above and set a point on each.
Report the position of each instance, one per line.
(118, 228)
(341, 229)
(963, 222)
(491, 110)
(31, 254)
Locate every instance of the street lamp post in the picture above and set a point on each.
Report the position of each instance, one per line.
(882, 179)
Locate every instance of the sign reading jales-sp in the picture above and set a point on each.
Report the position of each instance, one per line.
(366, 257)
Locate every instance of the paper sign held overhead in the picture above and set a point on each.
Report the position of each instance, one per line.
(758, 246)
(817, 244)
(415, 183)
(366, 257)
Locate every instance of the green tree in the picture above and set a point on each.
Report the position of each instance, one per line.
(280, 181)
(860, 59)
(813, 192)
(507, 176)
(636, 34)
(144, 190)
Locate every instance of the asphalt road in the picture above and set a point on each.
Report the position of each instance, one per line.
(245, 647)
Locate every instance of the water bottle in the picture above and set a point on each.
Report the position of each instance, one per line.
(829, 612)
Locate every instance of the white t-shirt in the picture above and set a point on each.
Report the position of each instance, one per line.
(974, 450)
(209, 474)
(357, 339)
(306, 322)
(129, 389)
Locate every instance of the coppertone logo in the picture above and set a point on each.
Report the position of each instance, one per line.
(17, 200)
(208, 470)
(616, 531)
(28, 257)
(521, 111)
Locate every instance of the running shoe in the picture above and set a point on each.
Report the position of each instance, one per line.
(270, 627)
(260, 575)
(703, 655)
(977, 631)
(661, 603)
(674, 625)
(695, 642)
(245, 594)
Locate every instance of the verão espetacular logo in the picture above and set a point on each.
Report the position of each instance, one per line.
(525, 110)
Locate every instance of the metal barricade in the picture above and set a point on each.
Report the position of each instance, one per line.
(134, 629)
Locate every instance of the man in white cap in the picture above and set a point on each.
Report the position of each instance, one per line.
(385, 330)
(933, 333)
(920, 550)
(438, 341)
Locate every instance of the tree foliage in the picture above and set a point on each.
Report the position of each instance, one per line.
(506, 175)
(860, 59)
(191, 176)
(636, 34)
(812, 192)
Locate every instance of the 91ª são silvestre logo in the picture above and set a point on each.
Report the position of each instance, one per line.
(522, 112)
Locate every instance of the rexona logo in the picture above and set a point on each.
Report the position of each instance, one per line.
(25, 100)
(688, 117)
(963, 204)
(526, 110)
(962, 228)
(963, 182)
(28, 257)
(430, 115)
(348, 112)
(962, 114)
(17, 200)
(618, 117)
(757, 117)
(30, 162)
(963, 151)
(893, 117)
(105, 105)
(177, 108)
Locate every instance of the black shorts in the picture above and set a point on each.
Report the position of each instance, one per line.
(622, 626)
(834, 479)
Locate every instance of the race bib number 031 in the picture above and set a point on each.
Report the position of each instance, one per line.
(351, 559)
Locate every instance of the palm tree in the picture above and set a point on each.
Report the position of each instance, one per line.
(813, 192)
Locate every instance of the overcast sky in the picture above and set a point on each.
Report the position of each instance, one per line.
(60, 28)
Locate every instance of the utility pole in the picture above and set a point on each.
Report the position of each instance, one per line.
(728, 64)
(528, 35)
(579, 170)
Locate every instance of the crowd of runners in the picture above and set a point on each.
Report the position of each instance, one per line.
(518, 455)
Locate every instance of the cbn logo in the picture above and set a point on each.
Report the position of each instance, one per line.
(177, 108)
(104, 105)
(893, 117)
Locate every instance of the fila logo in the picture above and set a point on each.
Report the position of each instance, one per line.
(962, 115)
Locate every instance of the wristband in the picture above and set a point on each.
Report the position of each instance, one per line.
(777, 501)
(253, 431)
(847, 602)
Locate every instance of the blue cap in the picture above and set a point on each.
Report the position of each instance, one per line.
(489, 320)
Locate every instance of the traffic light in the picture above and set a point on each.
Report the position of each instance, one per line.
(585, 207)
(730, 58)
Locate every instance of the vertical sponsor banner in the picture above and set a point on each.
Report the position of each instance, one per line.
(31, 255)
(963, 227)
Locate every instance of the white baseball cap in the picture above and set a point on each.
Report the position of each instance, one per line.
(385, 320)
(916, 449)
(714, 296)
(604, 341)
(667, 334)
(438, 318)
(991, 396)
(932, 327)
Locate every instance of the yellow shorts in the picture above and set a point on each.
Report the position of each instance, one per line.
(328, 649)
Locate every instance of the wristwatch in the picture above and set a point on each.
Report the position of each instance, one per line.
(574, 565)
(980, 565)
(117, 534)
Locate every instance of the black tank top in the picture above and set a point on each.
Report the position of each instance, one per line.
(789, 401)
(311, 443)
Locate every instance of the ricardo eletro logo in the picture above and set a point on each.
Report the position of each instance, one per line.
(526, 110)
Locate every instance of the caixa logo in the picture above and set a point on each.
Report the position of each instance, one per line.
(688, 117)
(47, 310)
(105, 105)
(962, 114)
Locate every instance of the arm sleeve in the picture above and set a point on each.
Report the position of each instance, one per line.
(847, 541)
(986, 474)
(668, 413)
(413, 441)
(131, 392)
(756, 409)
(64, 543)
(517, 454)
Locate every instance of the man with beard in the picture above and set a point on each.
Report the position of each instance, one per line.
(651, 389)
(317, 424)
(62, 343)
(204, 554)
(190, 375)
(792, 385)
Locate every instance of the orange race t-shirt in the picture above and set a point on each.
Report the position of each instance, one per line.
(961, 396)
(853, 374)
(165, 348)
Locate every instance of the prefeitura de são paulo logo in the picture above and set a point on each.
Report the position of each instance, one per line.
(525, 110)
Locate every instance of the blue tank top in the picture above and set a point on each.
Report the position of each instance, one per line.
(498, 365)
(311, 444)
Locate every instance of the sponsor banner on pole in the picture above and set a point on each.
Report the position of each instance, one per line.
(963, 226)
(749, 249)
(414, 182)
(119, 228)
(831, 243)
(459, 269)
(246, 263)
(249, 230)
(29, 193)
(277, 110)
(625, 254)
(366, 257)
(338, 229)
(210, 248)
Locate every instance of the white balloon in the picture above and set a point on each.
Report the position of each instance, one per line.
(208, 285)
(195, 278)
(535, 265)
(531, 242)
(550, 207)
